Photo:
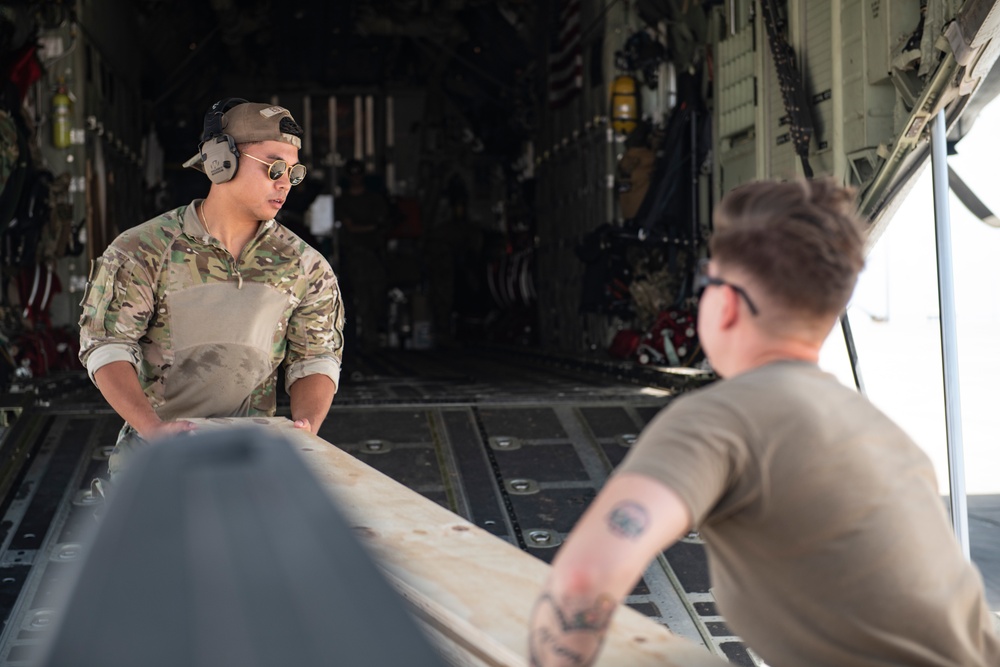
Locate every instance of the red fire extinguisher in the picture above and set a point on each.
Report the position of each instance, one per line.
(61, 117)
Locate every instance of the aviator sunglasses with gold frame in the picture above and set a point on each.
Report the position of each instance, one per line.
(276, 169)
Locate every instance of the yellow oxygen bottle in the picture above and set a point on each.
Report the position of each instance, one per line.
(61, 117)
(624, 104)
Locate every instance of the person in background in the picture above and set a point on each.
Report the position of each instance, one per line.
(365, 218)
(827, 538)
(191, 314)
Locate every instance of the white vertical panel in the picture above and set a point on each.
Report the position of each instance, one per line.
(369, 131)
(735, 117)
(867, 108)
(736, 83)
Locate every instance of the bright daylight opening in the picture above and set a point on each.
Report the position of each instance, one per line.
(894, 318)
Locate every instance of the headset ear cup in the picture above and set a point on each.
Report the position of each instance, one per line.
(220, 158)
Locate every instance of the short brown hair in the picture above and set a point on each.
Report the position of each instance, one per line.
(800, 240)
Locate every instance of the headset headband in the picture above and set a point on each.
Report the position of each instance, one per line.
(213, 119)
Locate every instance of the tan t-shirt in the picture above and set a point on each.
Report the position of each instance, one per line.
(828, 541)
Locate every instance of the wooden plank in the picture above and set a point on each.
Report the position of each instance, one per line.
(472, 591)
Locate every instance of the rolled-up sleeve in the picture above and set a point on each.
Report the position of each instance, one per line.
(116, 309)
(316, 327)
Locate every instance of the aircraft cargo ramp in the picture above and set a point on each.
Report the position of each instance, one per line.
(516, 444)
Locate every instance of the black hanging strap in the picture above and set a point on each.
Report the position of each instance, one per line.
(792, 91)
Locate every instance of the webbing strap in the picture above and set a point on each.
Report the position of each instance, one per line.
(792, 91)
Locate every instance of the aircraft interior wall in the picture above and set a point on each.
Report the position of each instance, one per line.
(550, 167)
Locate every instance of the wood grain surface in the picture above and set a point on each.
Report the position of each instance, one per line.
(472, 591)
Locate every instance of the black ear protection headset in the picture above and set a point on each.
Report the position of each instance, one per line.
(219, 154)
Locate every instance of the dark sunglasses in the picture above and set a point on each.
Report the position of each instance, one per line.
(702, 281)
(276, 170)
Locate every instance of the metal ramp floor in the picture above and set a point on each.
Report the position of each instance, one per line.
(518, 445)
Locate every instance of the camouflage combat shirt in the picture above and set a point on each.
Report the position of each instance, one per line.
(207, 332)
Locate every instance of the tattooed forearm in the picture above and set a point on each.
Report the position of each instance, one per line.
(550, 643)
(568, 633)
(628, 519)
(593, 616)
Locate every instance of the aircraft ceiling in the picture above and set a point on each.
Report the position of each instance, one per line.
(475, 51)
(481, 54)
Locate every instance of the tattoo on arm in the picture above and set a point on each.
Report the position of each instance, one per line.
(568, 634)
(628, 519)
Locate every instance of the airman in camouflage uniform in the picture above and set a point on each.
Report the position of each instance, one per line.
(202, 314)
